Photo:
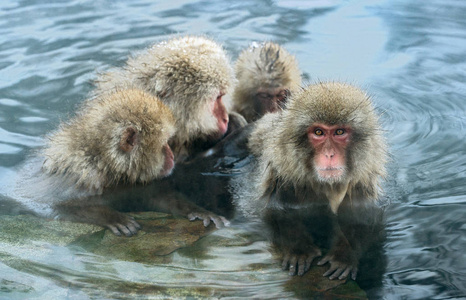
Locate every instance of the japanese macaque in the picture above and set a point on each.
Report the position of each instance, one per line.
(316, 178)
(107, 157)
(190, 75)
(267, 74)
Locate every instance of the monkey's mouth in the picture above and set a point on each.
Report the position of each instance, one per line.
(331, 173)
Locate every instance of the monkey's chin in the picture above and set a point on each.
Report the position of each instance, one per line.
(331, 175)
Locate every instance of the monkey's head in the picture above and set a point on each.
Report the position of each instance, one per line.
(121, 138)
(191, 75)
(329, 133)
(266, 75)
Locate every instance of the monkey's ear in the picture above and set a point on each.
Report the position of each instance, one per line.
(129, 139)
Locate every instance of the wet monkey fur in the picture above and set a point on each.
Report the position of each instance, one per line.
(191, 75)
(122, 138)
(104, 161)
(317, 173)
(267, 74)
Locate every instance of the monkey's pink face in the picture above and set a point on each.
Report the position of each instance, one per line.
(329, 143)
(220, 112)
(169, 161)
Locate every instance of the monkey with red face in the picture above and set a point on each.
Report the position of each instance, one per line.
(316, 178)
(106, 160)
(191, 75)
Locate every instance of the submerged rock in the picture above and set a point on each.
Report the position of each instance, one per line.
(235, 255)
(161, 234)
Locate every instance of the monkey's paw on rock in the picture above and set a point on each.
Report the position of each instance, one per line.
(208, 217)
(339, 268)
(298, 264)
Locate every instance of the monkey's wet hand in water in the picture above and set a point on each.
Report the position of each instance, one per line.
(208, 217)
(298, 264)
(340, 265)
(122, 224)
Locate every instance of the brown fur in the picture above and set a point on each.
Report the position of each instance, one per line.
(89, 152)
(186, 73)
(263, 66)
(287, 153)
(283, 187)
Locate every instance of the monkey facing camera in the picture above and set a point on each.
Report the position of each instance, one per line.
(316, 178)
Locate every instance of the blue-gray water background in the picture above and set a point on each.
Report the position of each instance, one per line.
(409, 54)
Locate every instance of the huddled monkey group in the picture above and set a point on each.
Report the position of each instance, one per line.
(312, 156)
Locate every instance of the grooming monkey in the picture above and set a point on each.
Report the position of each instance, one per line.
(316, 177)
(267, 74)
(105, 160)
(190, 75)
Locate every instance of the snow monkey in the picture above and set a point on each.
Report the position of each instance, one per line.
(266, 74)
(190, 75)
(108, 154)
(317, 172)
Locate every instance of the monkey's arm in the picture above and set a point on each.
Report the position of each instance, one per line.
(177, 204)
(163, 196)
(293, 239)
(93, 210)
(294, 223)
(342, 257)
(358, 225)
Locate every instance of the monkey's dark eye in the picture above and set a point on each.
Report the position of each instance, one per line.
(264, 96)
(339, 131)
(318, 132)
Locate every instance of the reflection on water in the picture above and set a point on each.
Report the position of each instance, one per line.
(409, 55)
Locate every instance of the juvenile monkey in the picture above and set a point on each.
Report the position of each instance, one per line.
(317, 172)
(105, 158)
(190, 75)
(267, 74)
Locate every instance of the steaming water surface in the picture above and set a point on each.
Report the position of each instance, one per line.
(410, 55)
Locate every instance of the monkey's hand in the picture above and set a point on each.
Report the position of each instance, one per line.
(341, 264)
(122, 224)
(102, 215)
(208, 217)
(300, 263)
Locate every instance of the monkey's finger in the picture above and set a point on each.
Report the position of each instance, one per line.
(354, 273)
(310, 258)
(330, 271)
(192, 217)
(206, 221)
(114, 230)
(302, 265)
(337, 273)
(285, 262)
(324, 260)
(345, 273)
(217, 221)
(133, 228)
(124, 229)
(293, 262)
(225, 221)
(205, 218)
(134, 223)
